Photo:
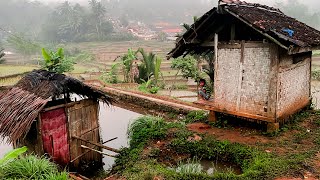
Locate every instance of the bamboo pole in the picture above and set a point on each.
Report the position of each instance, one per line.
(110, 140)
(87, 151)
(97, 144)
(86, 147)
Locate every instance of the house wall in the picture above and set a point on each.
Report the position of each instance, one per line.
(293, 83)
(245, 79)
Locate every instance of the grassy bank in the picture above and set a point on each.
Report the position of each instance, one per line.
(160, 149)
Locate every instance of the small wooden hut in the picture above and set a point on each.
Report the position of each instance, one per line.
(40, 113)
(262, 60)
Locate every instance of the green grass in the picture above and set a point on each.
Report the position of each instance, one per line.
(32, 167)
(6, 70)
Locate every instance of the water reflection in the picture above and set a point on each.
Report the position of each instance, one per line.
(114, 122)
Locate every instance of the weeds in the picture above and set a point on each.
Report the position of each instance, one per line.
(192, 166)
(196, 116)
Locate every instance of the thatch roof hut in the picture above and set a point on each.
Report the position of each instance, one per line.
(39, 112)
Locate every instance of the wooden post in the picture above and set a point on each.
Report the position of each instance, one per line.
(212, 116)
(273, 127)
(233, 32)
(215, 61)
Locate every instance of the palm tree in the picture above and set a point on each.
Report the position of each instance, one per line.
(147, 67)
(2, 54)
(98, 13)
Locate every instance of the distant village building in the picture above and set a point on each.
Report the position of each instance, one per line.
(262, 60)
(38, 112)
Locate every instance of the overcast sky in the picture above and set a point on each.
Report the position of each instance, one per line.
(312, 4)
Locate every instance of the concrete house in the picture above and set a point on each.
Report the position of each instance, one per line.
(262, 60)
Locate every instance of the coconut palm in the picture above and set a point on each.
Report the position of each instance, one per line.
(98, 12)
(147, 67)
(2, 54)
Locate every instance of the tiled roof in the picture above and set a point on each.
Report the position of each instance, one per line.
(269, 21)
(276, 23)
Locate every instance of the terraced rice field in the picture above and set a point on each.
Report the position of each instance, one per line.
(7, 70)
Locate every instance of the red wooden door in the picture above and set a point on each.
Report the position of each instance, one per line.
(55, 135)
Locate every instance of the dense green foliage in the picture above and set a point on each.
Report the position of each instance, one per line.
(188, 67)
(56, 61)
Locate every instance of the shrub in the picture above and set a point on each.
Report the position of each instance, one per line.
(146, 128)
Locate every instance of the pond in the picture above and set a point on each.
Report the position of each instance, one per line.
(114, 122)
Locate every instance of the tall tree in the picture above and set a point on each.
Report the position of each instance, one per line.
(98, 13)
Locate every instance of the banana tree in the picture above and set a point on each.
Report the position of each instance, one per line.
(126, 61)
(56, 61)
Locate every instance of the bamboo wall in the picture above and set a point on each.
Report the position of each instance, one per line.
(83, 123)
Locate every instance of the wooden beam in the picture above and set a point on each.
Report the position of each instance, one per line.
(90, 149)
(87, 151)
(60, 106)
(215, 61)
(97, 144)
(110, 140)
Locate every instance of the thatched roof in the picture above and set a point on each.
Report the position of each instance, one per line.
(21, 104)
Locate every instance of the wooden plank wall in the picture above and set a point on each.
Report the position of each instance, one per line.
(83, 122)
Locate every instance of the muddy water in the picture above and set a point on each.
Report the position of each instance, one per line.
(114, 122)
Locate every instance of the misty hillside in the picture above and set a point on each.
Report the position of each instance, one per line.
(54, 21)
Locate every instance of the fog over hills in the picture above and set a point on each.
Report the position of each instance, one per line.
(79, 20)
